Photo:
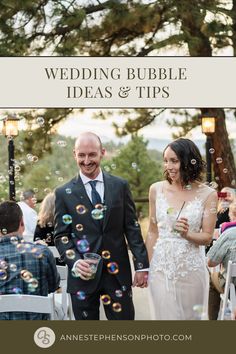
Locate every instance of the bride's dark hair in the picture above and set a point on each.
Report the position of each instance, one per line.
(192, 165)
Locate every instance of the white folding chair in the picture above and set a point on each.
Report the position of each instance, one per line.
(28, 303)
(54, 251)
(228, 290)
(64, 298)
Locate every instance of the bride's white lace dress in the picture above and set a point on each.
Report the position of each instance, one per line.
(178, 276)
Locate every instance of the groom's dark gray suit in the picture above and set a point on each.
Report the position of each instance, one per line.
(118, 228)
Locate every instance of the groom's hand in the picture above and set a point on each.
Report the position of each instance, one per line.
(140, 279)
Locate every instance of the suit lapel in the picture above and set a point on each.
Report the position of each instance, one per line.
(108, 185)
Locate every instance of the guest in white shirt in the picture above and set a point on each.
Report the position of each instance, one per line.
(27, 205)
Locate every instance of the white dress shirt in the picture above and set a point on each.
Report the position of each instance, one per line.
(99, 185)
(30, 221)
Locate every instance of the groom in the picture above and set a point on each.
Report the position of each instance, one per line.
(106, 229)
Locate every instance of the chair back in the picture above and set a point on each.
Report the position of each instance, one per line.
(229, 290)
(64, 298)
(28, 303)
(54, 251)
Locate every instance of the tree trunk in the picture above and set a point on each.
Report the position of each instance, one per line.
(225, 171)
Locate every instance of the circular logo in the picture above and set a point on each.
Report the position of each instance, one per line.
(44, 337)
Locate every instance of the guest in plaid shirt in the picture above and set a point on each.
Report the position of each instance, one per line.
(25, 268)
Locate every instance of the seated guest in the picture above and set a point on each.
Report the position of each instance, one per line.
(223, 250)
(232, 217)
(26, 268)
(45, 225)
(27, 204)
(226, 196)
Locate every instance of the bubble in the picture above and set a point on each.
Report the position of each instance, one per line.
(112, 268)
(79, 227)
(3, 264)
(17, 168)
(20, 247)
(211, 151)
(113, 166)
(84, 314)
(107, 168)
(26, 275)
(14, 240)
(17, 290)
(213, 210)
(31, 288)
(187, 187)
(34, 283)
(106, 299)
(4, 231)
(47, 178)
(118, 293)
(35, 190)
(35, 158)
(68, 191)
(116, 307)
(3, 274)
(170, 210)
(225, 170)
(97, 214)
(219, 160)
(198, 310)
(233, 182)
(57, 172)
(81, 209)
(60, 179)
(136, 223)
(81, 295)
(70, 254)
(124, 288)
(83, 246)
(13, 267)
(61, 143)
(193, 162)
(64, 239)
(67, 219)
(99, 207)
(106, 254)
(49, 224)
(37, 252)
(140, 265)
(213, 185)
(40, 121)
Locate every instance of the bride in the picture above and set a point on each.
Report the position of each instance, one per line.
(182, 219)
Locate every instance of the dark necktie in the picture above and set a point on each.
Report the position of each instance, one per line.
(96, 199)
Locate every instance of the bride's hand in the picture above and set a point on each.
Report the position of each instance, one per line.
(182, 226)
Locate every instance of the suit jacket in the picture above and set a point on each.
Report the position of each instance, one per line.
(118, 228)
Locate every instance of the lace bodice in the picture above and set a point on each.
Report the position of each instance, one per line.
(173, 255)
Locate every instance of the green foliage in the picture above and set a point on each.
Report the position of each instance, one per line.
(135, 165)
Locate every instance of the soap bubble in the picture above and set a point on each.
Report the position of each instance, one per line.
(193, 162)
(67, 219)
(40, 121)
(112, 268)
(106, 254)
(79, 227)
(211, 151)
(64, 239)
(68, 191)
(70, 254)
(219, 160)
(81, 295)
(83, 246)
(106, 299)
(116, 307)
(81, 209)
(97, 214)
(118, 293)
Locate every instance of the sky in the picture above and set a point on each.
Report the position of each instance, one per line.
(81, 122)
